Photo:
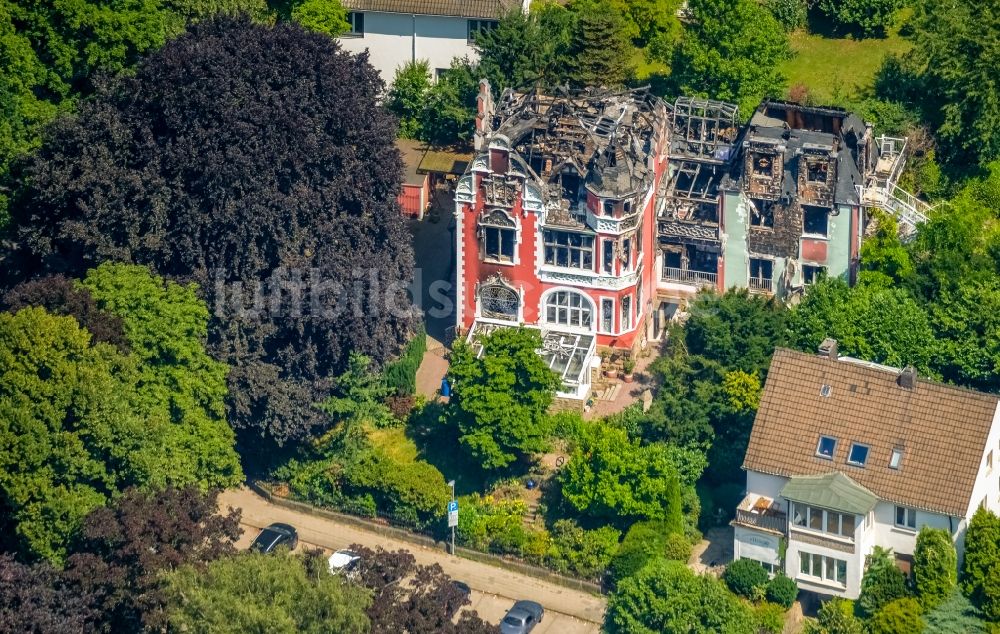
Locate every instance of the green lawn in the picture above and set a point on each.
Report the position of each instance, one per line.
(835, 69)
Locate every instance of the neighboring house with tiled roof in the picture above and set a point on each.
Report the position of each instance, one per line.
(847, 455)
(399, 31)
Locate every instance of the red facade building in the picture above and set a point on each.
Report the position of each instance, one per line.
(555, 222)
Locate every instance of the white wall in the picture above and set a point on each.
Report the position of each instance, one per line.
(855, 565)
(988, 482)
(394, 39)
(758, 545)
(767, 485)
(904, 541)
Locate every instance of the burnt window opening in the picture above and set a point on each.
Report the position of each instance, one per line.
(812, 273)
(499, 236)
(762, 214)
(609, 207)
(568, 249)
(608, 256)
(763, 164)
(815, 221)
(816, 171)
(627, 253)
(761, 269)
(570, 186)
(627, 207)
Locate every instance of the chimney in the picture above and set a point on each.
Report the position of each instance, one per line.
(908, 378)
(484, 114)
(828, 348)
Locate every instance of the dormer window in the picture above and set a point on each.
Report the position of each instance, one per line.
(827, 445)
(858, 455)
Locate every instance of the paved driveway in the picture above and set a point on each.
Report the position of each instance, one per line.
(494, 589)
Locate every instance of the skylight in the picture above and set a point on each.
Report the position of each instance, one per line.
(896, 458)
(825, 391)
(858, 455)
(827, 445)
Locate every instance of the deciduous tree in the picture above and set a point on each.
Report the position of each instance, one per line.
(611, 476)
(882, 582)
(500, 397)
(122, 551)
(407, 96)
(867, 17)
(35, 598)
(254, 592)
(666, 596)
(730, 51)
(203, 170)
(59, 295)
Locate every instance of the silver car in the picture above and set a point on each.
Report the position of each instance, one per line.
(522, 618)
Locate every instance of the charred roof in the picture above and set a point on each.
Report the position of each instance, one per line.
(605, 138)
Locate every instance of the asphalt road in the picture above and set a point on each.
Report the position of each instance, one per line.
(494, 589)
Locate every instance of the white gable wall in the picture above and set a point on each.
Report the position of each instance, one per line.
(394, 39)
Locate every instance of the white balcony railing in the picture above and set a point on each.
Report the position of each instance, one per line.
(688, 276)
(760, 285)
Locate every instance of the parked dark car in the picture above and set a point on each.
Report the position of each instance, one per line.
(275, 535)
(522, 618)
(455, 600)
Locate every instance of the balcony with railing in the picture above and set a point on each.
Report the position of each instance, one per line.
(701, 279)
(760, 285)
(757, 511)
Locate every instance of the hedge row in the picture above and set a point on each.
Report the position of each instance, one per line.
(401, 374)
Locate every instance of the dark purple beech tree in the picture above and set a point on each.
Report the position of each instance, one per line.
(36, 598)
(408, 597)
(60, 295)
(237, 155)
(122, 551)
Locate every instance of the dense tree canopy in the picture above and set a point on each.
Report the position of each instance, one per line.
(500, 398)
(528, 49)
(953, 79)
(254, 592)
(263, 192)
(867, 17)
(413, 598)
(730, 51)
(60, 295)
(122, 550)
(35, 598)
(666, 596)
(70, 436)
(84, 421)
(51, 52)
(610, 476)
(407, 96)
(981, 564)
(600, 47)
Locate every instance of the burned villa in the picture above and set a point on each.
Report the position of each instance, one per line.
(594, 216)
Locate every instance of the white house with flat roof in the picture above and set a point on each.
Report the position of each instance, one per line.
(396, 32)
(847, 455)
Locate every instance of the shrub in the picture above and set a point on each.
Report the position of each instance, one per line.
(934, 566)
(883, 582)
(901, 616)
(581, 552)
(869, 17)
(493, 524)
(956, 615)
(770, 618)
(676, 547)
(643, 542)
(401, 374)
(782, 590)
(746, 578)
(836, 617)
(790, 13)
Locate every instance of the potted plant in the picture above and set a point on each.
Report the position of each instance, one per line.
(628, 366)
(610, 369)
